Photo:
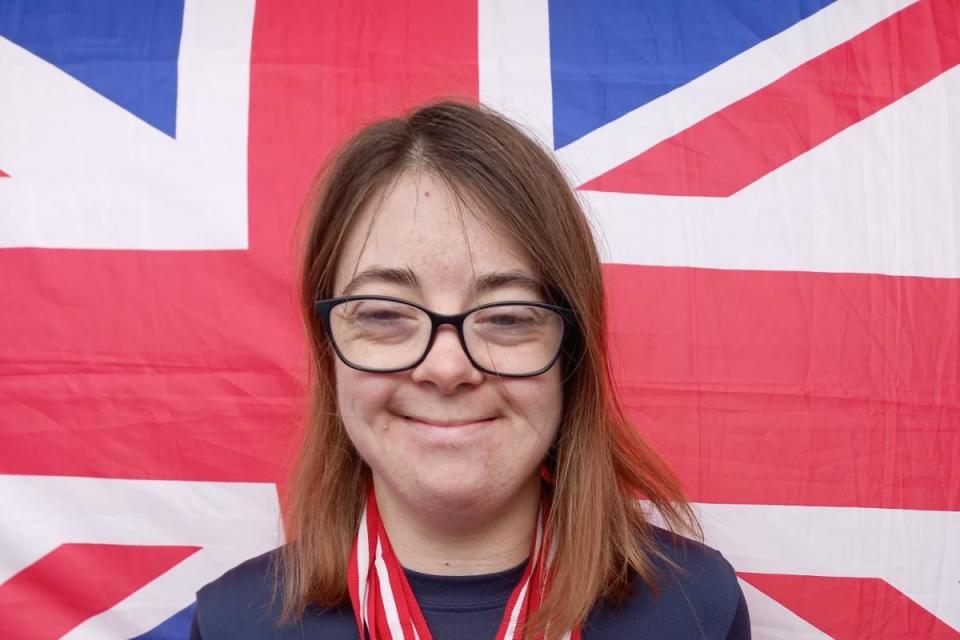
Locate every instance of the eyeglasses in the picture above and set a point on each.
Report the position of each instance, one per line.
(381, 334)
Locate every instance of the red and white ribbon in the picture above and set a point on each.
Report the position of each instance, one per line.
(383, 602)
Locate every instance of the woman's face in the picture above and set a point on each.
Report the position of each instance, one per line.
(442, 435)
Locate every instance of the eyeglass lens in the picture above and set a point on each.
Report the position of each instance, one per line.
(512, 339)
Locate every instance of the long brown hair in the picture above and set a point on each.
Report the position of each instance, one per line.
(600, 463)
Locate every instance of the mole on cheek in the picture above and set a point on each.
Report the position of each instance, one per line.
(426, 194)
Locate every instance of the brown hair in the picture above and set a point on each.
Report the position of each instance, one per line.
(600, 463)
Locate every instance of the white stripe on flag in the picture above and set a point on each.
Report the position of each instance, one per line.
(515, 77)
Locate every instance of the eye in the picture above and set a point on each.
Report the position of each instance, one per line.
(373, 312)
(380, 315)
(508, 318)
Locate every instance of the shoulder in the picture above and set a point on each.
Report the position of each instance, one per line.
(702, 569)
(697, 595)
(240, 600)
(246, 601)
(702, 576)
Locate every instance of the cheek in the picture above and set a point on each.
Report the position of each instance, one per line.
(361, 399)
(540, 402)
(553, 410)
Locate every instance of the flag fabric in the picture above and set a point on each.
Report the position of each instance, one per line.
(774, 188)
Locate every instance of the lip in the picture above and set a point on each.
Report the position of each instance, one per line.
(445, 423)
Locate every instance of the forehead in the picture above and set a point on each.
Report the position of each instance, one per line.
(418, 224)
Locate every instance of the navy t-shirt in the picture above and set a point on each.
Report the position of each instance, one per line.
(703, 603)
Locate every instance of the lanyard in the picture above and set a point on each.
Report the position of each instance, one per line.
(383, 602)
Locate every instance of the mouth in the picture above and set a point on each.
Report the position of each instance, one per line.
(445, 422)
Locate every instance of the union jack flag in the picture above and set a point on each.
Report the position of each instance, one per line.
(773, 186)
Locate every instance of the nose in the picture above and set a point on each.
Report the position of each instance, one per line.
(447, 366)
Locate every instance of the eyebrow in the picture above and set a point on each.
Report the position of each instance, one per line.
(407, 278)
(403, 277)
(489, 281)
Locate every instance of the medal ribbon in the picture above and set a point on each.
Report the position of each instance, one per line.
(384, 605)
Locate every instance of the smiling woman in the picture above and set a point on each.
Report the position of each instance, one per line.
(466, 470)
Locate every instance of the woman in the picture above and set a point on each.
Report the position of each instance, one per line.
(466, 471)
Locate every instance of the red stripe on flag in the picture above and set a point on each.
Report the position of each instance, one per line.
(75, 582)
(794, 388)
(852, 608)
(189, 365)
(732, 148)
(3, 174)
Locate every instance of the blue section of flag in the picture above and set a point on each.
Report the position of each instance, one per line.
(609, 57)
(176, 627)
(125, 51)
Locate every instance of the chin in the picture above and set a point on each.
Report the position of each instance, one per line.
(452, 487)
(481, 489)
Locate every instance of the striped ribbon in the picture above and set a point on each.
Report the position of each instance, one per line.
(383, 602)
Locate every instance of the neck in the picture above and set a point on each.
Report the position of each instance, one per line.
(460, 538)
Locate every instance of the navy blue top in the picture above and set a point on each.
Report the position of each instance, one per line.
(705, 603)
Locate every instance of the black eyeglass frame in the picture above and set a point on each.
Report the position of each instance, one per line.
(323, 308)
